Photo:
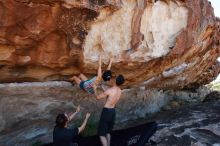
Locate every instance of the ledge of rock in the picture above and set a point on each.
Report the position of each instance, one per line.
(191, 125)
(165, 44)
(28, 110)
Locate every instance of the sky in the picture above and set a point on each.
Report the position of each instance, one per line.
(216, 6)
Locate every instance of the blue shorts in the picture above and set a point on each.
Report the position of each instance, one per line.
(81, 85)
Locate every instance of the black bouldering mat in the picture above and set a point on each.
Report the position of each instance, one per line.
(135, 136)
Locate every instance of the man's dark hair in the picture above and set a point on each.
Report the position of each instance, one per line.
(119, 80)
(61, 120)
(107, 75)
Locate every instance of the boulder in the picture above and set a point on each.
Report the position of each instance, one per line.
(165, 44)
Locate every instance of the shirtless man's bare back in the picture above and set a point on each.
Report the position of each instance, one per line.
(107, 119)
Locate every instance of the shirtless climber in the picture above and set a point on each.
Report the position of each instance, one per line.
(107, 119)
(87, 84)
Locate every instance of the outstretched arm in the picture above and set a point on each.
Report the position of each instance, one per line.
(72, 115)
(100, 95)
(82, 127)
(110, 63)
(99, 73)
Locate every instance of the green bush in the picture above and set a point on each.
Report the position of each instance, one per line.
(37, 143)
(91, 128)
(216, 86)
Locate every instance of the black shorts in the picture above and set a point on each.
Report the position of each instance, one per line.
(107, 121)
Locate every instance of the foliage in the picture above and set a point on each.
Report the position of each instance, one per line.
(37, 143)
(215, 86)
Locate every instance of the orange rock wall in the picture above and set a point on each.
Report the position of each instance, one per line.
(163, 44)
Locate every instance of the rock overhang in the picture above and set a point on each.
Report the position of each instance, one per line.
(162, 44)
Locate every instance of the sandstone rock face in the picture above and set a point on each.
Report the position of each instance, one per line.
(163, 44)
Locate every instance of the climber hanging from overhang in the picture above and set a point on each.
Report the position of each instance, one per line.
(87, 84)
